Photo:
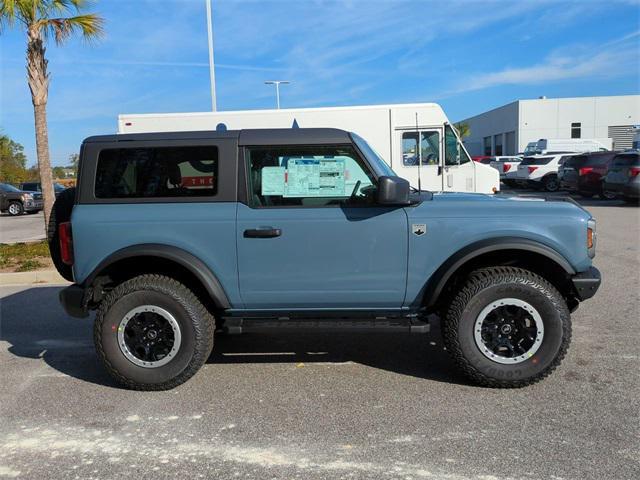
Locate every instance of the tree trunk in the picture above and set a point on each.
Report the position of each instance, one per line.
(44, 163)
(39, 85)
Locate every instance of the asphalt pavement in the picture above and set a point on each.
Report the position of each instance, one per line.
(330, 406)
(24, 228)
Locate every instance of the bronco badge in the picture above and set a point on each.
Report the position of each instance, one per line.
(419, 229)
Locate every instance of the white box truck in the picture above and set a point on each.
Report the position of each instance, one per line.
(402, 134)
(578, 145)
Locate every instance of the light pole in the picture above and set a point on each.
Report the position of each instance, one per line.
(212, 73)
(277, 84)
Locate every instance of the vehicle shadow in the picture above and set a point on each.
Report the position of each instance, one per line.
(35, 326)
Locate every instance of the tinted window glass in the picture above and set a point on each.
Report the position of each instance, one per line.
(454, 153)
(625, 160)
(536, 161)
(308, 176)
(5, 187)
(157, 172)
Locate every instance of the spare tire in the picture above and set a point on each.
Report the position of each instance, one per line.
(60, 213)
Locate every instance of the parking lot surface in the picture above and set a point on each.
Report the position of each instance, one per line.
(25, 228)
(329, 405)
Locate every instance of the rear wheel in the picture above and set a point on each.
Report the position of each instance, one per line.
(508, 327)
(551, 183)
(60, 213)
(15, 209)
(607, 194)
(152, 333)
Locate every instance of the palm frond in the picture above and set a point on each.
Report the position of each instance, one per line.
(90, 25)
(16, 10)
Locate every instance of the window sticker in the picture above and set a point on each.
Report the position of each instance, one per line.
(312, 177)
(273, 179)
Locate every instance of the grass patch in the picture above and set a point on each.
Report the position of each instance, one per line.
(23, 257)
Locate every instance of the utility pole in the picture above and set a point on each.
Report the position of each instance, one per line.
(212, 72)
(277, 84)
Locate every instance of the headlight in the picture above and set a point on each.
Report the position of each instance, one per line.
(26, 196)
(591, 238)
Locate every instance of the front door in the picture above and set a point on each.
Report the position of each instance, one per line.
(421, 157)
(458, 172)
(312, 236)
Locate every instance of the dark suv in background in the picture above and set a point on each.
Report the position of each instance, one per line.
(584, 174)
(37, 187)
(623, 177)
(16, 202)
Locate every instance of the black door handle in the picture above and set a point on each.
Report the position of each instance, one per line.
(262, 233)
(439, 170)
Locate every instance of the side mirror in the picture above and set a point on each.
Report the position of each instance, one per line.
(393, 191)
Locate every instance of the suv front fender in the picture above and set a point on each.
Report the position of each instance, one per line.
(436, 284)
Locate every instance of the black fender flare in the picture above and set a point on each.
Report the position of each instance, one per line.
(434, 286)
(175, 254)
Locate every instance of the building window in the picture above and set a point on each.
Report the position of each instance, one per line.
(510, 147)
(575, 130)
(487, 146)
(497, 140)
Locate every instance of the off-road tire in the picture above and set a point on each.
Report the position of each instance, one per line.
(60, 213)
(551, 183)
(15, 209)
(485, 286)
(197, 326)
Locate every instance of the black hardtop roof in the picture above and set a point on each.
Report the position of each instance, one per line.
(266, 136)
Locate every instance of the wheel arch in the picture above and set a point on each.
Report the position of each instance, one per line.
(525, 253)
(165, 259)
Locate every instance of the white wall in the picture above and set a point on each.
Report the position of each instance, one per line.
(552, 117)
(494, 122)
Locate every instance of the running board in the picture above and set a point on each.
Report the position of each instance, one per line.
(236, 326)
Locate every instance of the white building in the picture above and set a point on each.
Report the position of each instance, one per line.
(508, 129)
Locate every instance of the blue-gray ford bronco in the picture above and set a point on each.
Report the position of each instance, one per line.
(172, 236)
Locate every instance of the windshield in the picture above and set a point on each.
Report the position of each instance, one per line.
(379, 165)
(8, 188)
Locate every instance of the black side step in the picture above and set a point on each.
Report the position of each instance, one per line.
(234, 326)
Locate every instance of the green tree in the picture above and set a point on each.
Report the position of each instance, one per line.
(13, 161)
(463, 129)
(58, 172)
(42, 20)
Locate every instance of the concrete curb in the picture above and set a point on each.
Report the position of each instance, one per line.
(27, 278)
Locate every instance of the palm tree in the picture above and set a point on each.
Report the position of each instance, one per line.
(463, 129)
(42, 19)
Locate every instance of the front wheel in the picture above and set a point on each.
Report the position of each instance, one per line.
(15, 209)
(507, 327)
(152, 333)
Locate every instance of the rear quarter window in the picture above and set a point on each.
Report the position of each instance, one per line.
(157, 172)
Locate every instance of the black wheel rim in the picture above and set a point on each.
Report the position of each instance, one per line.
(509, 331)
(149, 336)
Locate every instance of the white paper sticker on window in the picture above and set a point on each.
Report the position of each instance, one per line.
(273, 179)
(310, 177)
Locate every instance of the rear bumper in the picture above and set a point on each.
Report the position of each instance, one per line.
(587, 283)
(74, 301)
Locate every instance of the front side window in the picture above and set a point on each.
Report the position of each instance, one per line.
(306, 176)
(454, 153)
(423, 146)
(156, 172)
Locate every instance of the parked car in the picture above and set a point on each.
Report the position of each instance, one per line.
(16, 202)
(309, 224)
(541, 171)
(507, 167)
(37, 187)
(583, 174)
(623, 177)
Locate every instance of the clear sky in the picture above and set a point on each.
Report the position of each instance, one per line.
(469, 56)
